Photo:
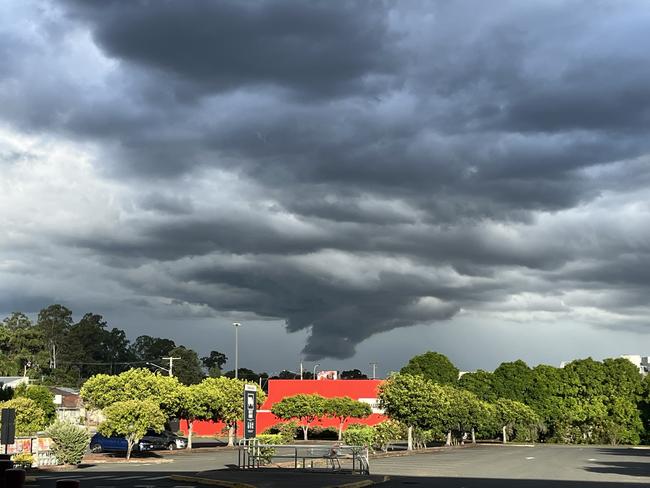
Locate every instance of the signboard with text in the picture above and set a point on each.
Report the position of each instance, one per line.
(250, 411)
(327, 375)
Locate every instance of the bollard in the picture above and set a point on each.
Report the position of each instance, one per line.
(15, 478)
(67, 484)
(5, 464)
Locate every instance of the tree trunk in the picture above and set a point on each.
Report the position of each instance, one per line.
(341, 429)
(505, 435)
(190, 425)
(473, 436)
(448, 443)
(129, 448)
(410, 439)
(305, 428)
(231, 435)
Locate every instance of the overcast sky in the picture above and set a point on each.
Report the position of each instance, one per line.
(352, 181)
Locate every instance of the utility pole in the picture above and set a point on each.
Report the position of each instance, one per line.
(300, 369)
(374, 370)
(236, 325)
(171, 365)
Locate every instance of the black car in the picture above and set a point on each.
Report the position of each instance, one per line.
(165, 440)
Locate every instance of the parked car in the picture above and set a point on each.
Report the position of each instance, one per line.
(99, 443)
(165, 440)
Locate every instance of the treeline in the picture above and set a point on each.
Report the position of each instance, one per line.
(587, 401)
(59, 351)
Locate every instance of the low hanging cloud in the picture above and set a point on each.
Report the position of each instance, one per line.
(348, 167)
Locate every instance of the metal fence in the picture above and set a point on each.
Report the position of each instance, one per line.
(253, 454)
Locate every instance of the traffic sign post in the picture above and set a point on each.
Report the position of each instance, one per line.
(250, 411)
(8, 433)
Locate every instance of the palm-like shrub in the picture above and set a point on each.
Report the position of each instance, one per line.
(70, 442)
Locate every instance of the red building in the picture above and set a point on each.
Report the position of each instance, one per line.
(362, 390)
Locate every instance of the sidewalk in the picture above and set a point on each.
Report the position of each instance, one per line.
(273, 477)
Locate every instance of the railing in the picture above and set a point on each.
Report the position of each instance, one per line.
(253, 454)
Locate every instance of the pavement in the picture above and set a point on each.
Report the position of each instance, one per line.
(484, 466)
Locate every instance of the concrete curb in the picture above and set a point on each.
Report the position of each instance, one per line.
(359, 484)
(209, 481)
(380, 455)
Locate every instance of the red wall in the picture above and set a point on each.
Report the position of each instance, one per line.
(279, 389)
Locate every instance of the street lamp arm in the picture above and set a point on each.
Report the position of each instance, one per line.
(156, 366)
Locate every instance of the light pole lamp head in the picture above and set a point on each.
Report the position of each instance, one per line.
(236, 324)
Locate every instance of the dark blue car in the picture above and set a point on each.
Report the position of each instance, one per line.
(99, 443)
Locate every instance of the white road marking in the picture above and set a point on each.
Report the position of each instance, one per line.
(157, 478)
(530, 457)
(592, 459)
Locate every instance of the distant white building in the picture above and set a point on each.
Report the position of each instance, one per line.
(640, 362)
(12, 381)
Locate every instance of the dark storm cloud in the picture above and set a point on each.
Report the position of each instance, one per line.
(318, 48)
(351, 167)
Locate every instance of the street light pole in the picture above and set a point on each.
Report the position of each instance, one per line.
(374, 366)
(236, 325)
(315, 366)
(171, 365)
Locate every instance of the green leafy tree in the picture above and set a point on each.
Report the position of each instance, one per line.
(28, 351)
(131, 419)
(479, 383)
(353, 374)
(386, 432)
(512, 380)
(17, 320)
(55, 322)
(199, 402)
(345, 408)
(228, 400)
(43, 398)
(103, 390)
(214, 362)
(516, 418)
(410, 400)
(432, 366)
(304, 407)
(243, 374)
(546, 394)
(95, 349)
(360, 435)
(29, 416)
(188, 368)
(147, 348)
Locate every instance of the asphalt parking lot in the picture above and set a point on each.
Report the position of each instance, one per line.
(541, 465)
(484, 466)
